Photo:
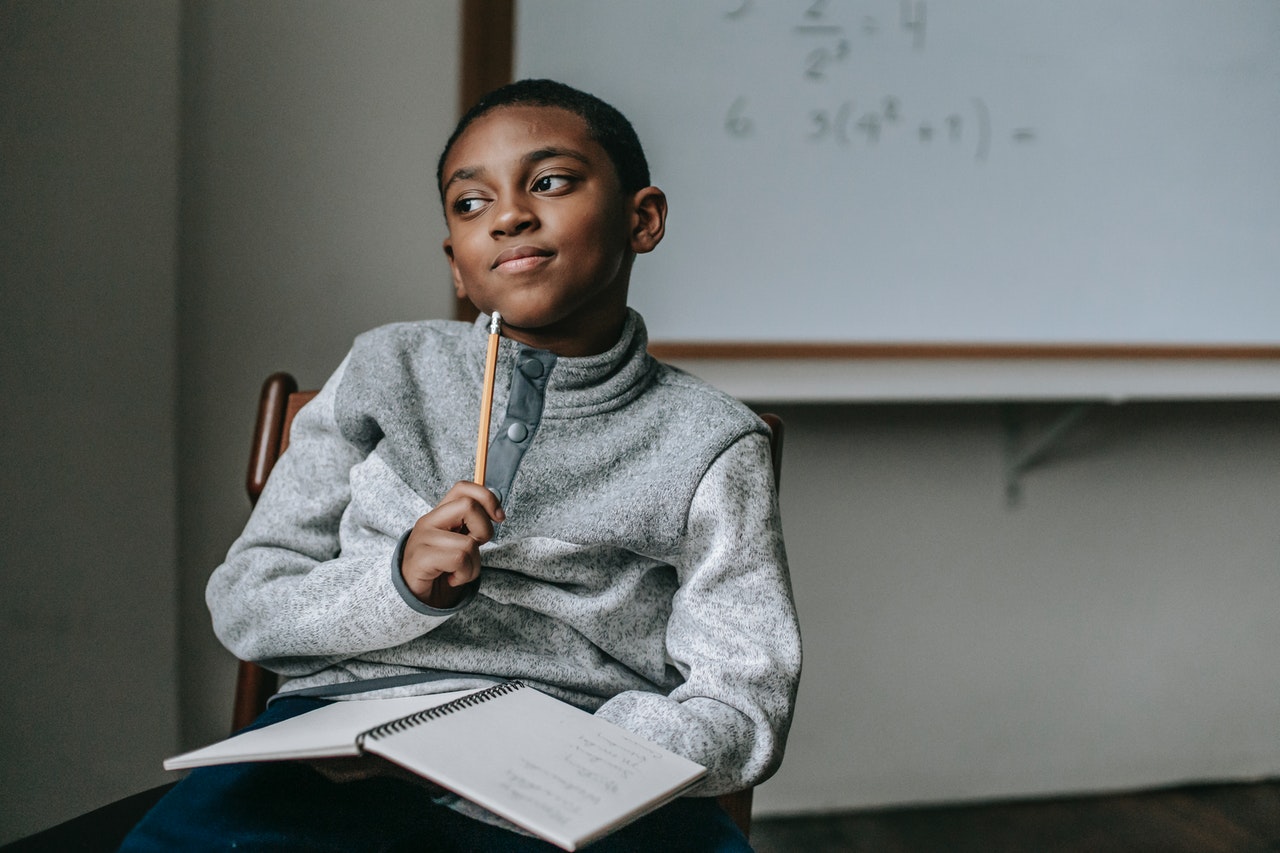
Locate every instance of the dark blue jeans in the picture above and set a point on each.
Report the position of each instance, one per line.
(290, 806)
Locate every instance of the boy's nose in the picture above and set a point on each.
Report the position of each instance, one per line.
(513, 218)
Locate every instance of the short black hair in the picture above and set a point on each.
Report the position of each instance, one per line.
(606, 125)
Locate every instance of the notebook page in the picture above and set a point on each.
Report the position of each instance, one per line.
(544, 765)
(326, 732)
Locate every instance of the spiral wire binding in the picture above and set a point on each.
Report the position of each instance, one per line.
(428, 714)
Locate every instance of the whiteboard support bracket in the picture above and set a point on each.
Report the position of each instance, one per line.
(1020, 455)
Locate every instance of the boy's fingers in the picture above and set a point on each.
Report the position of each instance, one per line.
(444, 546)
(461, 515)
(478, 493)
(432, 553)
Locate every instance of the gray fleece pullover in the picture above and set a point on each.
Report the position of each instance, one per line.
(640, 572)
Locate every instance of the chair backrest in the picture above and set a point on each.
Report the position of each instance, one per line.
(279, 401)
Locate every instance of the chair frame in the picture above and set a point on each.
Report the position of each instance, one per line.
(278, 402)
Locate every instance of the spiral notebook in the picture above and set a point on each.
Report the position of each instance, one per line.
(557, 771)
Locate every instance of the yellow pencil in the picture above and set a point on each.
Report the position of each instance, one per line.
(486, 397)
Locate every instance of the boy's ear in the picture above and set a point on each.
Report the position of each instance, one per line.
(458, 289)
(648, 219)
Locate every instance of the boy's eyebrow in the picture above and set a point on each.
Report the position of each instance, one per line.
(541, 154)
(466, 173)
(536, 155)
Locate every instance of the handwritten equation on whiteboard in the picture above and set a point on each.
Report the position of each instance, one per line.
(828, 36)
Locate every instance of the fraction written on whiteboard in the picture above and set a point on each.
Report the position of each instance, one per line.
(828, 41)
(831, 41)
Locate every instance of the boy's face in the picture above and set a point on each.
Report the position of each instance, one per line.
(540, 230)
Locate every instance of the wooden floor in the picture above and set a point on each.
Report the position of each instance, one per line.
(1199, 819)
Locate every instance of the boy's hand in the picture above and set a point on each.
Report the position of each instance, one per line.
(443, 550)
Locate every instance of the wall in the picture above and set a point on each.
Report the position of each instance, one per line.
(88, 217)
(309, 215)
(150, 284)
(1115, 629)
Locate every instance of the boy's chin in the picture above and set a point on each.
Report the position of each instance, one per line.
(529, 318)
(538, 329)
(523, 323)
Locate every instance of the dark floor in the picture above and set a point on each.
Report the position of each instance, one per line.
(1198, 819)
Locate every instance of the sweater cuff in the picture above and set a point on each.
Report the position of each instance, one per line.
(397, 580)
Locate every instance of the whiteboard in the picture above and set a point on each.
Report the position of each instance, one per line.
(1082, 172)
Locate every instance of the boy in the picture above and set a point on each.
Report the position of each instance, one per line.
(626, 555)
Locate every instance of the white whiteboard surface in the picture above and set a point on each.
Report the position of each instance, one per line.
(975, 171)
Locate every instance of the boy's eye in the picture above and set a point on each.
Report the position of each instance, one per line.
(467, 204)
(548, 183)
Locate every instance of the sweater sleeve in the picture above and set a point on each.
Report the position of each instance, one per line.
(733, 633)
(310, 581)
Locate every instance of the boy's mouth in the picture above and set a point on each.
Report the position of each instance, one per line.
(521, 258)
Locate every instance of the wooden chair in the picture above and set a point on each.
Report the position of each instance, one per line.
(279, 401)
